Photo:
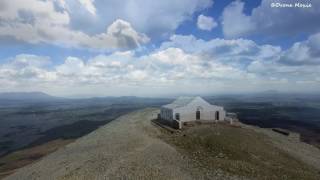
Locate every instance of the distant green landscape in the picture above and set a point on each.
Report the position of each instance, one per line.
(24, 125)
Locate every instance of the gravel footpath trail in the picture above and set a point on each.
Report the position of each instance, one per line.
(126, 148)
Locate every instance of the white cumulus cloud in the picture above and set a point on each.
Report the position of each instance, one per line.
(206, 23)
(88, 4)
(40, 22)
(179, 65)
(157, 19)
(270, 21)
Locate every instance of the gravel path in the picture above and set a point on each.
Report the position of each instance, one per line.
(126, 148)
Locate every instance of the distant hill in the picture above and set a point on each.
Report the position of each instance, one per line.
(27, 96)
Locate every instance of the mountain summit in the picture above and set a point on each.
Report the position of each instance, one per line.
(131, 147)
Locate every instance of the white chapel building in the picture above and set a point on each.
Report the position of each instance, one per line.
(185, 109)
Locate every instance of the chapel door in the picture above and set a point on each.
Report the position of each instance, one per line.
(217, 115)
(197, 115)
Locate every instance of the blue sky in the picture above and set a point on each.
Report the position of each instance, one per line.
(158, 48)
